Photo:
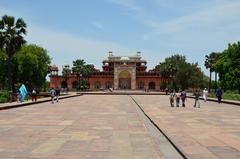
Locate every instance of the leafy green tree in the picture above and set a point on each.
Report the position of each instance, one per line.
(228, 67)
(180, 73)
(78, 69)
(3, 68)
(11, 40)
(66, 73)
(81, 69)
(32, 63)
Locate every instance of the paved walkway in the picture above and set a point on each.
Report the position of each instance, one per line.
(85, 127)
(211, 132)
(110, 127)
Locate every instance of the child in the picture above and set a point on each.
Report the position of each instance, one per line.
(177, 99)
(34, 95)
(172, 95)
(19, 96)
(53, 94)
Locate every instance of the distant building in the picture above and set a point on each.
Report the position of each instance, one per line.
(119, 72)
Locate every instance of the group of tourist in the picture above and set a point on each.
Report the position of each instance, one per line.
(55, 93)
(177, 96)
(33, 95)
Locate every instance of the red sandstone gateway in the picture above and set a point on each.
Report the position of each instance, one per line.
(119, 72)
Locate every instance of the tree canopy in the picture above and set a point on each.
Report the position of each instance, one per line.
(228, 66)
(11, 40)
(80, 68)
(32, 65)
(180, 73)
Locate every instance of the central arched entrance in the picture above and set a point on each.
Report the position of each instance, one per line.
(124, 80)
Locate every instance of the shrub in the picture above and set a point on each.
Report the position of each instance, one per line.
(4, 96)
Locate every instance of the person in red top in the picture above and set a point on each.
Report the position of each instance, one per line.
(34, 95)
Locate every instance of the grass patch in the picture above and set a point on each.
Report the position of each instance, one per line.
(228, 95)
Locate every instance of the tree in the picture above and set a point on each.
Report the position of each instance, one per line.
(3, 68)
(209, 65)
(78, 69)
(228, 67)
(32, 65)
(181, 73)
(210, 61)
(83, 70)
(11, 40)
(65, 73)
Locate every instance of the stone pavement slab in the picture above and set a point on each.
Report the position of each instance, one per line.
(85, 127)
(209, 132)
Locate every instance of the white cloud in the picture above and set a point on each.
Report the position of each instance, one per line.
(222, 16)
(64, 47)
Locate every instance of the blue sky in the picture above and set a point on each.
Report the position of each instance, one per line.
(158, 28)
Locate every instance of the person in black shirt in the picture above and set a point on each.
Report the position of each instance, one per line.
(197, 95)
(219, 94)
(57, 93)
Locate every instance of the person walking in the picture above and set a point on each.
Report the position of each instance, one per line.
(205, 94)
(34, 95)
(177, 98)
(166, 91)
(52, 93)
(219, 94)
(171, 98)
(183, 97)
(19, 96)
(57, 93)
(196, 95)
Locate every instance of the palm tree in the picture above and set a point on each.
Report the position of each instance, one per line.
(65, 73)
(210, 61)
(209, 65)
(11, 40)
(215, 57)
(78, 69)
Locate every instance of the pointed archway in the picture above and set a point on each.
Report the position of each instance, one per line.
(124, 80)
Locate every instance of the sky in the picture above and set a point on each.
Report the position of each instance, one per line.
(89, 29)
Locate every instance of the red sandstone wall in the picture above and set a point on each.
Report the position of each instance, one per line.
(147, 80)
(55, 81)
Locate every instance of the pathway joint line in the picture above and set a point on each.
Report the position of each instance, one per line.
(161, 131)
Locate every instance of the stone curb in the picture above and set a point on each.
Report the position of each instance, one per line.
(237, 103)
(121, 93)
(32, 103)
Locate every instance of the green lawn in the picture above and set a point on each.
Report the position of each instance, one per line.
(228, 95)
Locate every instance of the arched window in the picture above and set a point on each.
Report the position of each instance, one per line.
(97, 85)
(151, 85)
(108, 84)
(141, 85)
(124, 80)
(64, 84)
(74, 84)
